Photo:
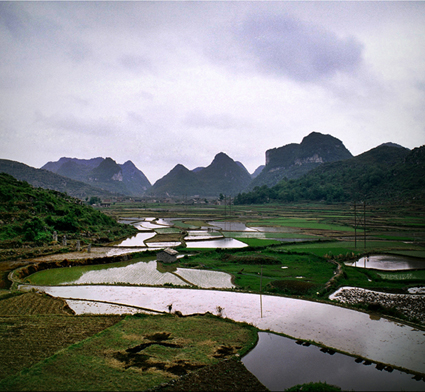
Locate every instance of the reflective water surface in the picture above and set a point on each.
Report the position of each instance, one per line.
(279, 363)
(221, 243)
(147, 273)
(344, 329)
(137, 240)
(231, 226)
(388, 263)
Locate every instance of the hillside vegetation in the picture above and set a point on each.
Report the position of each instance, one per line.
(223, 175)
(41, 178)
(29, 216)
(382, 174)
(103, 173)
(294, 160)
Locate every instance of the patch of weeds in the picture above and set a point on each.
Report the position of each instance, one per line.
(293, 287)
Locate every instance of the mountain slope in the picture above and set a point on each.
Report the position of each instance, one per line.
(294, 160)
(38, 213)
(41, 178)
(223, 175)
(103, 173)
(383, 174)
(180, 181)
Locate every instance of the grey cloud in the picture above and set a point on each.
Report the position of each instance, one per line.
(135, 63)
(73, 124)
(284, 46)
(197, 119)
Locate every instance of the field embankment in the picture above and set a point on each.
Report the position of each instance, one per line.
(41, 342)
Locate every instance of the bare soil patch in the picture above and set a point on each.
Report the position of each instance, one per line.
(227, 375)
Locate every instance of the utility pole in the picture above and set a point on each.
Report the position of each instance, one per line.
(359, 220)
(364, 222)
(355, 225)
(261, 297)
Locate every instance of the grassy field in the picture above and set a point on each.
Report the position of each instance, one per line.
(41, 340)
(34, 327)
(58, 351)
(268, 269)
(329, 227)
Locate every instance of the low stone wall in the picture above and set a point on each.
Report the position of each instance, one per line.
(410, 305)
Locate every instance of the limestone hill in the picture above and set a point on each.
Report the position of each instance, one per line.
(223, 175)
(103, 173)
(294, 160)
(41, 178)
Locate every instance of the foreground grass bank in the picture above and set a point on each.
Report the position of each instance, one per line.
(136, 353)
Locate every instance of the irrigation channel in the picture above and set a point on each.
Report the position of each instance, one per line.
(395, 351)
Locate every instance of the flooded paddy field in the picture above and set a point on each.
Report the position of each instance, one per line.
(276, 360)
(145, 273)
(379, 340)
(388, 263)
(369, 336)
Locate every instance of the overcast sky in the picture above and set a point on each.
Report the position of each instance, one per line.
(162, 83)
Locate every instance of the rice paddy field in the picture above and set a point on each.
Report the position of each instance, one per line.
(292, 250)
(44, 347)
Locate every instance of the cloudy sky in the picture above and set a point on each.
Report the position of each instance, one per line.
(162, 83)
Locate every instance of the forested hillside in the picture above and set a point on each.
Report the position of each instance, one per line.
(29, 216)
(382, 174)
(125, 179)
(294, 160)
(223, 175)
(41, 178)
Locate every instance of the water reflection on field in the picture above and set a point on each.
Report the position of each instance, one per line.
(231, 226)
(279, 363)
(137, 240)
(347, 330)
(221, 243)
(148, 273)
(388, 263)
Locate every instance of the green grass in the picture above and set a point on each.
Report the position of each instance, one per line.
(262, 235)
(314, 269)
(98, 363)
(304, 223)
(167, 230)
(336, 248)
(405, 275)
(255, 242)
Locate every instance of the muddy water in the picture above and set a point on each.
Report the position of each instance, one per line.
(332, 326)
(279, 363)
(388, 263)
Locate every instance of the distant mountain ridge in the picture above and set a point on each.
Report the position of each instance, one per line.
(294, 160)
(223, 175)
(386, 173)
(41, 178)
(317, 153)
(103, 173)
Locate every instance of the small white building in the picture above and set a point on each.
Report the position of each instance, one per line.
(167, 255)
